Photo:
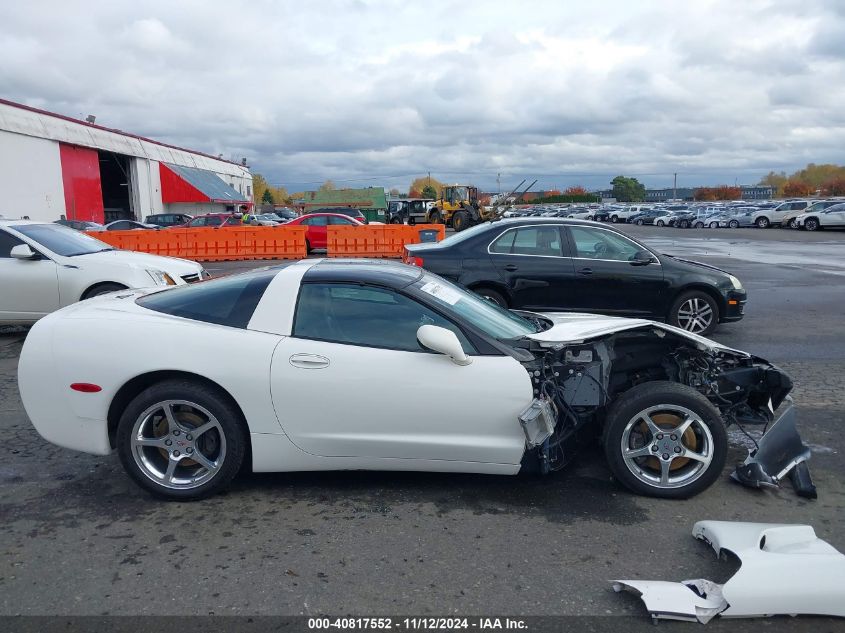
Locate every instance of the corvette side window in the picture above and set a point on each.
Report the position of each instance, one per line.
(365, 315)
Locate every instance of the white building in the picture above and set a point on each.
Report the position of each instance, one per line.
(53, 166)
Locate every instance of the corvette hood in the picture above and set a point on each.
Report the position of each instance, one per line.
(139, 260)
(577, 328)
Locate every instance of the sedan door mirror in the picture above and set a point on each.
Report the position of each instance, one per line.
(439, 339)
(23, 251)
(642, 258)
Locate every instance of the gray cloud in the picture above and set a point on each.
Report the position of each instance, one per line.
(374, 92)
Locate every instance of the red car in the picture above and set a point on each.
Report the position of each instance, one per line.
(317, 224)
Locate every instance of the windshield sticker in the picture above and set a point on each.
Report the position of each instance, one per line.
(444, 293)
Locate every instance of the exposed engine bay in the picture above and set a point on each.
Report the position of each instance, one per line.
(575, 382)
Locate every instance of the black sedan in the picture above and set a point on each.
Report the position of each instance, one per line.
(550, 264)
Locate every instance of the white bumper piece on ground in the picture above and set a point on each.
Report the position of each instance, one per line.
(786, 570)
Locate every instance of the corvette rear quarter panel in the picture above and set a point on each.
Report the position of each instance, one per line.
(110, 349)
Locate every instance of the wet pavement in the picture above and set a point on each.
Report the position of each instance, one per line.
(79, 538)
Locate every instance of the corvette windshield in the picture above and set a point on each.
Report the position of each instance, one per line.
(469, 307)
(61, 240)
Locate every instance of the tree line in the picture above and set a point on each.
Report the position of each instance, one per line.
(826, 180)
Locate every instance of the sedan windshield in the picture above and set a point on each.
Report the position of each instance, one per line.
(61, 240)
(468, 307)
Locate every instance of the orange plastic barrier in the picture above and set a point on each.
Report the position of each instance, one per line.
(377, 240)
(207, 244)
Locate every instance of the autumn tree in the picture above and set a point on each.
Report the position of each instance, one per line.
(816, 175)
(834, 187)
(704, 194)
(394, 192)
(775, 180)
(797, 189)
(577, 190)
(419, 184)
(261, 189)
(327, 186)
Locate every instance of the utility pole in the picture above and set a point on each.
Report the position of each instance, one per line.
(675, 188)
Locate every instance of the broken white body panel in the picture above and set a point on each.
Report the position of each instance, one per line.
(786, 570)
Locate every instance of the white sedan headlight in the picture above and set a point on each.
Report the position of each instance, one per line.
(736, 282)
(161, 278)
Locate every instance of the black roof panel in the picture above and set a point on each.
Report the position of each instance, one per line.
(379, 272)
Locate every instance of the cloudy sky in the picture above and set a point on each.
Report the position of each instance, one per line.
(376, 92)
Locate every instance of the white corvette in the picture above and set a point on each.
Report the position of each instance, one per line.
(45, 266)
(332, 365)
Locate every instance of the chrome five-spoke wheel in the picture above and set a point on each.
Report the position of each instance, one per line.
(667, 446)
(665, 439)
(178, 444)
(182, 439)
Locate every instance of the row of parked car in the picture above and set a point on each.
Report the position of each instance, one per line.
(801, 214)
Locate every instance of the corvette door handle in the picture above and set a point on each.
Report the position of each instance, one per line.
(309, 361)
(585, 271)
(511, 267)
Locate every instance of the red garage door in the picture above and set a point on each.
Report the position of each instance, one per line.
(81, 177)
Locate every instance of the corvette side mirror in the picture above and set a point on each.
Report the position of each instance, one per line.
(439, 339)
(23, 251)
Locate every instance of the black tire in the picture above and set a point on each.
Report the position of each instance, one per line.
(698, 225)
(460, 221)
(683, 224)
(812, 224)
(733, 224)
(639, 222)
(233, 427)
(792, 224)
(660, 398)
(308, 248)
(614, 219)
(680, 320)
(412, 221)
(714, 225)
(660, 223)
(435, 218)
(493, 296)
(101, 289)
(762, 223)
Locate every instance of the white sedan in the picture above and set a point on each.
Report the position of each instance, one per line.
(45, 266)
(338, 365)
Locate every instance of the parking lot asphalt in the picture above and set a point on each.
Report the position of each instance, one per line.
(78, 538)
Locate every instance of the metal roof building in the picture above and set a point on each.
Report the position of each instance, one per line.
(53, 166)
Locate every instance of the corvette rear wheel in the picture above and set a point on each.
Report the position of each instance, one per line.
(181, 440)
(664, 439)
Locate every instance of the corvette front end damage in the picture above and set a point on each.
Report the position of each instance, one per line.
(786, 570)
(578, 379)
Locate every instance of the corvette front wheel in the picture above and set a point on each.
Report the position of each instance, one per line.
(665, 439)
(181, 439)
